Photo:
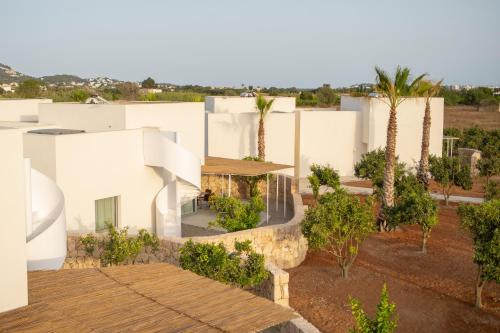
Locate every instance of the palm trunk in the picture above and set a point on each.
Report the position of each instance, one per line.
(390, 158)
(423, 169)
(261, 137)
(479, 289)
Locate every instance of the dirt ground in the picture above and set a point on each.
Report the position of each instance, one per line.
(432, 292)
(477, 190)
(463, 116)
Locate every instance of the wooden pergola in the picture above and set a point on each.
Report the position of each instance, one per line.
(232, 167)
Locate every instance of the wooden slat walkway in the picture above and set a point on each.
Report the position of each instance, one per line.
(138, 298)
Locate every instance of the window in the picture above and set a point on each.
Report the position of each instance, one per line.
(106, 212)
(189, 207)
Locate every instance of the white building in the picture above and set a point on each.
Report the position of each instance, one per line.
(24, 110)
(338, 138)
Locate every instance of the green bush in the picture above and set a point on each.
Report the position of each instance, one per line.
(413, 205)
(372, 167)
(118, 246)
(338, 225)
(483, 222)
(385, 320)
(234, 215)
(448, 172)
(89, 242)
(29, 88)
(323, 175)
(243, 268)
(492, 190)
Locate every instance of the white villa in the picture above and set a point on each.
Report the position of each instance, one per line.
(69, 167)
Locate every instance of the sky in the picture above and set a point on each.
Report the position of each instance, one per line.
(261, 43)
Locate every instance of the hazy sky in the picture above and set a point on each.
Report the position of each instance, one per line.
(280, 43)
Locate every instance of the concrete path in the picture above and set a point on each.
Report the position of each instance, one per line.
(304, 188)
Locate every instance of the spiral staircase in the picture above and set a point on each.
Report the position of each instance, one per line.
(45, 221)
(181, 174)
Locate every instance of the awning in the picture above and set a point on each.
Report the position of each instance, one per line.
(228, 166)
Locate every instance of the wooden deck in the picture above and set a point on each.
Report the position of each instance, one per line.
(144, 298)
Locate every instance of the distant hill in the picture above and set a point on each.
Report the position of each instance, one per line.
(62, 78)
(9, 75)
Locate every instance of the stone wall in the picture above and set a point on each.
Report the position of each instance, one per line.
(275, 287)
(239, 189)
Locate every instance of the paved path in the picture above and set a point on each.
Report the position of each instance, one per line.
(437, 196)
(369, 191)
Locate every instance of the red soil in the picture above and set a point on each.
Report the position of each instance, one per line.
(432, 292)
(477, 190)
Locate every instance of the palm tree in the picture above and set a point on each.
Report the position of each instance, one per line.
(426, 89)
(263, 106)
(395, 90)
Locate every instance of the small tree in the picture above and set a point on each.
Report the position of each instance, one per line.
(414, 205)
(448, 172)
(148, 83)
(339, 224)
(483, 222)
(29, 88)
(323, 175)
(326, 96)
(385, 320)
(372, 166)
(234, 215)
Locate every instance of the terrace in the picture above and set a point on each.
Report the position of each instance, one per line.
(221, 172)
(155, 297)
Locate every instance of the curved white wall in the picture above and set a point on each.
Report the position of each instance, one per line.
(46, 229)
(160, 150)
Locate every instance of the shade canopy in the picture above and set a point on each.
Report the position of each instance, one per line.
(228, 166)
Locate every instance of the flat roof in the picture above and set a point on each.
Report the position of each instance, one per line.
(139, 298)
(228, 166)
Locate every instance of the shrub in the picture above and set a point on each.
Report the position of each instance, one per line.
(323, 175)
(492, 190)
(243, 268)
(89, 242)
(79, 95)
(372, 167)
(385, 320)
(414, 205)
(448, 172)
(234, 215)
(29, 88)
(118, 246)
(338, 225)
(483, 222)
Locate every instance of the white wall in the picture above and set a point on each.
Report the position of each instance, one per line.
(88, 117)
(235, 136)
(13, 278)
(186, 118)
(410, 117)
(92, 166)
(21, 109)
(236, 104)
(329, 137)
